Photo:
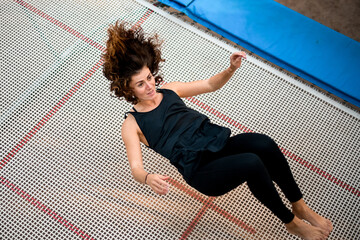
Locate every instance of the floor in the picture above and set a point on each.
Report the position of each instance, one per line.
(340, 15)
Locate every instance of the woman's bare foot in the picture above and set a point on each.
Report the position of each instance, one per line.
(304, 230)
(302, 211)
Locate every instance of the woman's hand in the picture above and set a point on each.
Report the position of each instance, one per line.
(235, 60)
(158, 183)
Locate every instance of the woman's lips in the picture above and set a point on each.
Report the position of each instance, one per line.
(151, 92)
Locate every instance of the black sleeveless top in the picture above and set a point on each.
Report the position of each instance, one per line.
(179, 133)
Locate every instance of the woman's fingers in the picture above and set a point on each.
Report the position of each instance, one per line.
(239, 55)
(159, 185)
(161, 190)
(164, 177)
(243, 54)
(236, 58)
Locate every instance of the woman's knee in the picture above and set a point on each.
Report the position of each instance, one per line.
(255, 164)
(264, 142)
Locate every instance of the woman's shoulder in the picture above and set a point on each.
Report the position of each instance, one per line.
(129, 118)
(169, 88)
(129, 113)
(190, 89)
(129, 124)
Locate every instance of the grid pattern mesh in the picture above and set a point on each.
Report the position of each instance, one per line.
(63, 169)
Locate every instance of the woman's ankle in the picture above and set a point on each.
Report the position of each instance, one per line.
(295, 222)
(299, 208)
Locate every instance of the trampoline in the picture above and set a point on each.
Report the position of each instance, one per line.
(63, 167)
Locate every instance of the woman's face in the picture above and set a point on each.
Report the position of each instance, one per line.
(143, 85)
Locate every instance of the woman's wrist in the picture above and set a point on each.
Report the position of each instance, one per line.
(231, 69)
(146, 177)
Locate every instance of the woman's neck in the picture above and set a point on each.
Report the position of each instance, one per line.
(148, 105)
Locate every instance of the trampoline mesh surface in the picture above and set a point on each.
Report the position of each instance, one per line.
(63, 167)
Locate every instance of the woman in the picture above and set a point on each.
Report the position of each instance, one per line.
(207, 157)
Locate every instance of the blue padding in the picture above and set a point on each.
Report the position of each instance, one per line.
(305, 47)
(184, 3)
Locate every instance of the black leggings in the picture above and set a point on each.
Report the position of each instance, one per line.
(256, 159)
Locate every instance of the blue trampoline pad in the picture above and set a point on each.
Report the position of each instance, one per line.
(290, 40)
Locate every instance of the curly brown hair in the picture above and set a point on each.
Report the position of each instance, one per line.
(128, 50)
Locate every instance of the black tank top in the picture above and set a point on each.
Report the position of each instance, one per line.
(179, 133)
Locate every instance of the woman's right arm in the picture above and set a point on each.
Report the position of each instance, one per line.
(130, 135)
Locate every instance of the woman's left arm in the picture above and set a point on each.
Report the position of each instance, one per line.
(188, 89)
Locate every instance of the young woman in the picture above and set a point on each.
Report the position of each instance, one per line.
(204, 153)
